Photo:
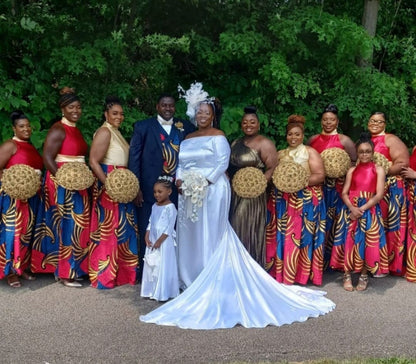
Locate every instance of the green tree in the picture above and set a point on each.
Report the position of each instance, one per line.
(282, 56)
(97, 47)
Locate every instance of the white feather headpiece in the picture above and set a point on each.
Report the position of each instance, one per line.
(193, 97)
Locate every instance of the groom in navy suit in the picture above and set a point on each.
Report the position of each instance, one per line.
(154, 149)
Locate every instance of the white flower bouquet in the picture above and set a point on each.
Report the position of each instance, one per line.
(194, 188)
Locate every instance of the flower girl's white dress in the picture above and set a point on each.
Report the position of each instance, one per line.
(160, 270)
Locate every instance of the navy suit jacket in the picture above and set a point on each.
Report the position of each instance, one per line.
(145, 158)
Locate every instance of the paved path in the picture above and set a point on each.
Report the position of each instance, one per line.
(45, 322)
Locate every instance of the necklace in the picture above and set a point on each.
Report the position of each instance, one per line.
(67, 122)
(19, 140)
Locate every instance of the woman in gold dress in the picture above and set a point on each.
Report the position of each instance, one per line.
(248, 215)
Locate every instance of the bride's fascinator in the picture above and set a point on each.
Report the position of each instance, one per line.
(193, 97)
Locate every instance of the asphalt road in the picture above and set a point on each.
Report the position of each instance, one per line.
(45, 322)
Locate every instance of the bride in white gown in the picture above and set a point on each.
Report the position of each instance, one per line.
(226, 286)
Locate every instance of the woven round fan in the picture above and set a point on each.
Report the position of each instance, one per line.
(122, 185)
(290, 177)
(381, 161)
(75, 176)
(336, 162)
(249, 182)
(20, 181)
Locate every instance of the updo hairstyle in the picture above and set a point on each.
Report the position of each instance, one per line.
(330, 108)
(17, 115)
(251, 110)
(109, 102)
(68, 96)
(165, 180)
(295, 121)
(365, 137)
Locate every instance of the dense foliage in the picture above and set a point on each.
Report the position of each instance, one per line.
(282, 56)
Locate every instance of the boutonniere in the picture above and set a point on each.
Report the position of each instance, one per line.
(179, 125)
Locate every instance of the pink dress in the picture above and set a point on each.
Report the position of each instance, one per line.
(365, 242)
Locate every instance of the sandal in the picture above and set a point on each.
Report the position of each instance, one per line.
(348, 282)
(13, 281)
(362, 282)
(70, 283)
(28, 276)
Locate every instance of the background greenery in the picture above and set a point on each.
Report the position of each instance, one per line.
(282, 56)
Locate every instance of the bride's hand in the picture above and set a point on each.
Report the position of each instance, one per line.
(178, 185)
(138, 201)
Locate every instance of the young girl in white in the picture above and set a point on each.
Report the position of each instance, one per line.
(160, 271)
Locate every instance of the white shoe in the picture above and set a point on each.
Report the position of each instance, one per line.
(70, 283)
(380, 275)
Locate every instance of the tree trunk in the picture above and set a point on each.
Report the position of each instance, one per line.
(369, 22)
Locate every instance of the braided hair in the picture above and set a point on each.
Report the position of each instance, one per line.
(68, 96)
(109, 102)
(165, 180)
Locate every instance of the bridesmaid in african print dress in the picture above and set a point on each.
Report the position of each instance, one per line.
(62, 229)
(393, 204)
(365, 247)
(332, 187)
(410, 174)
(296, 232)
(17, 216)
(113, 257)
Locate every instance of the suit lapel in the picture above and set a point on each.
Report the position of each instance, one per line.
(156, 131)
(175, 131)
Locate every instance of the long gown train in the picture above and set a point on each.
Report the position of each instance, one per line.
(233, 289)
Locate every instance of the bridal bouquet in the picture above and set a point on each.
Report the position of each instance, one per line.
(194, 188)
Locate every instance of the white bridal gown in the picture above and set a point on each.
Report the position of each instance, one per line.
(197, 241)
(231, 288)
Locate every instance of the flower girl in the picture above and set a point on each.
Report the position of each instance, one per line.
(364, 243)
(160, 270)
